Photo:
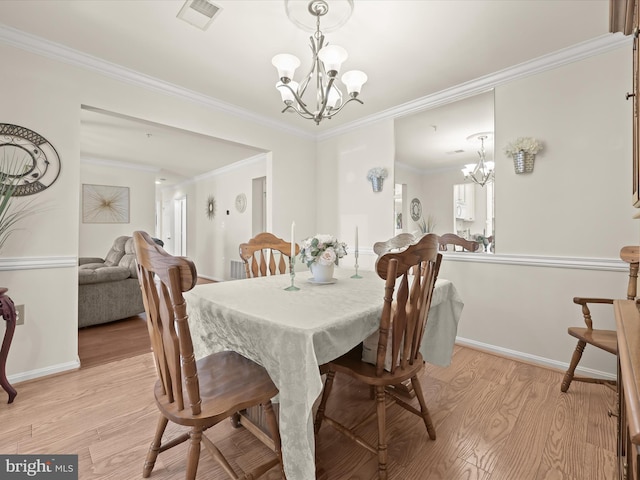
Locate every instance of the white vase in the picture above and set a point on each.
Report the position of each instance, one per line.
(322, 273)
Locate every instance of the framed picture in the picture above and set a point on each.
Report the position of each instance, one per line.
(105, 204)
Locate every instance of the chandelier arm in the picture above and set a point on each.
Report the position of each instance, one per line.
(305, 115)
(337, 110)
(315, 46)
(324, 95)
(300, 105)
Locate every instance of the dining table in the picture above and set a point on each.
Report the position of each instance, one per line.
(291, 332)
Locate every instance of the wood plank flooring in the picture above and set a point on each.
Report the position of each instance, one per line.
(496, 419)
(112, 341)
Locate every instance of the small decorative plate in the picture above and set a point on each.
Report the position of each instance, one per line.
(241, 202)
(315, 282)
(416, 209)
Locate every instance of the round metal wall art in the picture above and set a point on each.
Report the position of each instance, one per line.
(27, 159)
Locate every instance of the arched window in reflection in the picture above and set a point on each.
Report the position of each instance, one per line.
(431, 148)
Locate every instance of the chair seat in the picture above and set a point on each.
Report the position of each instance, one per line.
(604, 339)
(228, 382)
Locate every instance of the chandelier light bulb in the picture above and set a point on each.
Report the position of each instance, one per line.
(354, 79)
(286, 65)
(332, 57)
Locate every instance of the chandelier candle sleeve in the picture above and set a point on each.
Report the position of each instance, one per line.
(356, 248)
(293, 242)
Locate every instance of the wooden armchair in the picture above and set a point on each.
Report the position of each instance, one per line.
(195, 394)
(452, 239)
(266, 247)
(399, 337)
(603, 339)
(398, 242)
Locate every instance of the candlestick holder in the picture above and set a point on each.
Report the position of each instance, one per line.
(356, 265)
(292, 274)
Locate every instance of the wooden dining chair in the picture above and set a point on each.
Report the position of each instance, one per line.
(196, 394)
(603, 339)
(457, 241)
(399, 337)
(266, 254)
(398, 242)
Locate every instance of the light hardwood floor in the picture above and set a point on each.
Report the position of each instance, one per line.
(496, 419)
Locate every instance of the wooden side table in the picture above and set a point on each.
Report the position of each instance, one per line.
(8, 312)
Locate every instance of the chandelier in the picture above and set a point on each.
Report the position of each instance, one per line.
(325, 66)
(483, 171)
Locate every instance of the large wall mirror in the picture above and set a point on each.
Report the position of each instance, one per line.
(432, 147)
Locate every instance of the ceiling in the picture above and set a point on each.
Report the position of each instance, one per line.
(408, 48)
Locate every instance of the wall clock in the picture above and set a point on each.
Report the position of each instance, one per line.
(415, 209)
(38, 160)
(241, 202)
(211, 207)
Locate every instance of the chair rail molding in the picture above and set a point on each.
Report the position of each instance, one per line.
(31, 263)
(580, 263)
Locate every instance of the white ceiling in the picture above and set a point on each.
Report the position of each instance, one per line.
(408, 48)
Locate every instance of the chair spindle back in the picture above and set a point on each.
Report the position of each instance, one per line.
(262, 247)
(163, 278)
(412, 273)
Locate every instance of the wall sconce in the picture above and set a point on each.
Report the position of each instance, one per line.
(523, 150)
(376, 176)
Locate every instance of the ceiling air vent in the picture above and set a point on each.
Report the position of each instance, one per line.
(199, 13)
(454, 152)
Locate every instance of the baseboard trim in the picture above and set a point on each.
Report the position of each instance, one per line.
(43, 372)
(534, 359)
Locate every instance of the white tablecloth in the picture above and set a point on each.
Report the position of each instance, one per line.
(291, 333)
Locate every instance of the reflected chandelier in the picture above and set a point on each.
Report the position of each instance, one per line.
(483, 171)
(326, 63)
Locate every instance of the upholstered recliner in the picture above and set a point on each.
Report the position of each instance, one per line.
(108, 288)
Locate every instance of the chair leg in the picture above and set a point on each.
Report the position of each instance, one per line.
(575, 358)
(426, 416)
(381, 411)
(193, 453)
(154, 448)
(328, 384)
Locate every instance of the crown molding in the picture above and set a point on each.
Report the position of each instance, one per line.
(580, 51)
(55, 51)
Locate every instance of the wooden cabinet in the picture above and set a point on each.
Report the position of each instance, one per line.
(624, 17)
(464, 201)
(628, 328)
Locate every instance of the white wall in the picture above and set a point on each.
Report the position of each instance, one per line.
(576, 204)
(345, 197)
(95, 239)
